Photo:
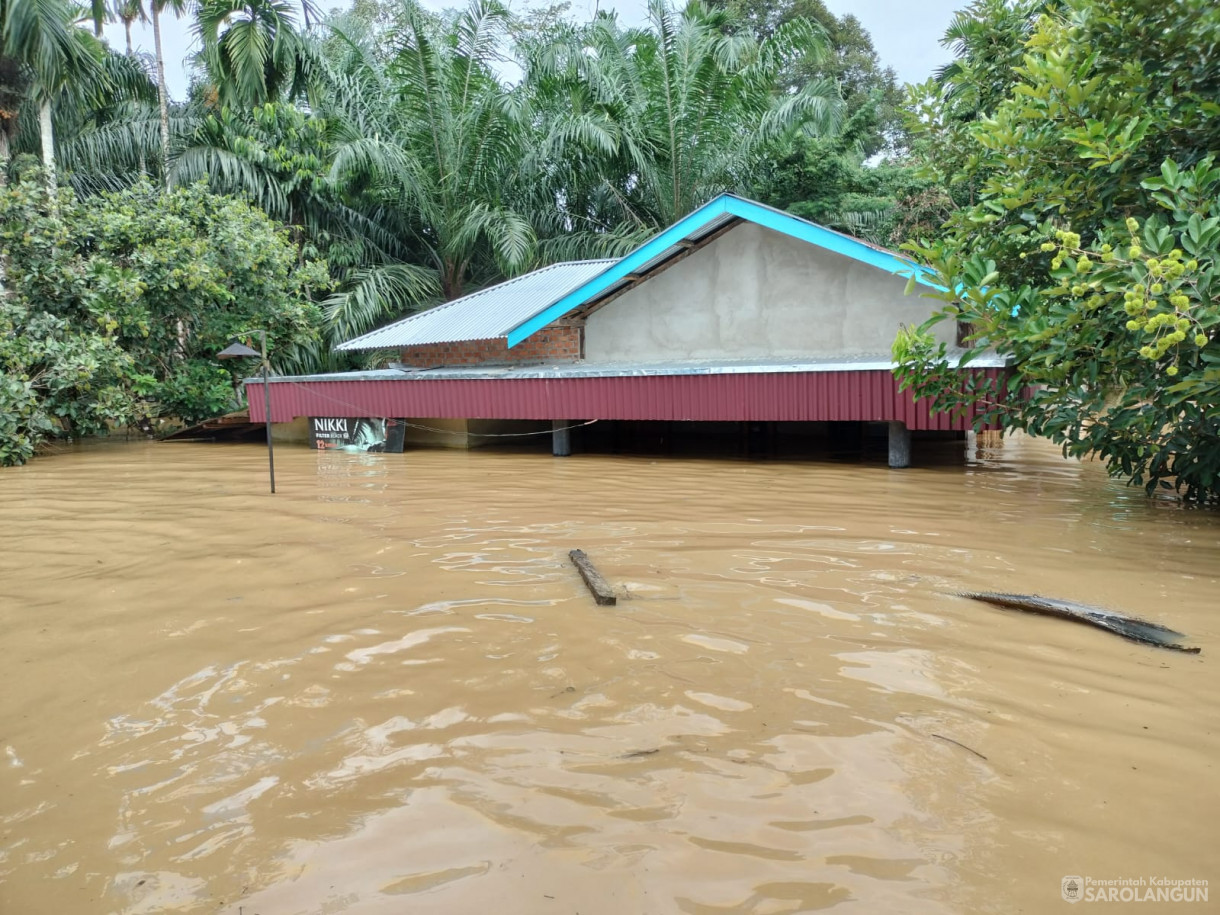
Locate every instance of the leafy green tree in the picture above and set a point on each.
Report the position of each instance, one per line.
(845, 55)
(117, 303)
(988, 41)
(827, 180)
(1090, 254)
(404, 159)
(638, 127)
(281, 159)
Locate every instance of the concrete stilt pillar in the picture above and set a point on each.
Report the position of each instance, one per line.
(900, 445)
(561, 438)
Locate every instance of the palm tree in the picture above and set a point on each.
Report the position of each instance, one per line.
(415, 171)
(89, 116)
(428, 139)
(251, 48)
(403, 172)
(129, 11)
(156, 8)
(35, 44)
(675, 112)
(41, 52)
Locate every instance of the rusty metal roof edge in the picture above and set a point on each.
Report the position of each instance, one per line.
(865, 363)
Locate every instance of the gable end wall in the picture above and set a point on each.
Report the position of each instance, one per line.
(757, 294)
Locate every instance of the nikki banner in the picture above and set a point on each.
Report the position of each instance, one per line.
(345, 433)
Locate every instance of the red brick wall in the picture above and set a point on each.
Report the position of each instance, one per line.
(551, 344)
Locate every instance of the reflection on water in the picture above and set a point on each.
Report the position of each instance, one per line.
(384, 689)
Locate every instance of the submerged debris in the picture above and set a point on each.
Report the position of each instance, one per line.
(958, 743)
(1129, 627)
(602, 593)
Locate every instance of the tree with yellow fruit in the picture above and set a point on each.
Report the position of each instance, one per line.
(1090, 255)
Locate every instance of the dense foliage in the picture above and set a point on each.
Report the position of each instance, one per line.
(829, 181)
(1088, 247)
(845, 56)
(116, 305)
(638, 127)
(405, 165)
(1057, 175)
(418, 171)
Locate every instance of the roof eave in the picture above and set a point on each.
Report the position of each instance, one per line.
(725, 204)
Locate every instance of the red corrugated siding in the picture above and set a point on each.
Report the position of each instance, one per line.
(782, 396)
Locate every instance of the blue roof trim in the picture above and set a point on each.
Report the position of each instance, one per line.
(640, 256)
(725, 204)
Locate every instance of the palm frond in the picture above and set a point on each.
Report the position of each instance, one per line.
(231, 173)
(374, 295)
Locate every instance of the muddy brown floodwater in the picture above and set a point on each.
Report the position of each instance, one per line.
(385, 689)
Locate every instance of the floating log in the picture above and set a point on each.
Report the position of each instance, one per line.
(601, 591)
(1129, 627)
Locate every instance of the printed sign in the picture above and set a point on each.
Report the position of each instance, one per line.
(345, 433)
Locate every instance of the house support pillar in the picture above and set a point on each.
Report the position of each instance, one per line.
(561, 438)
(900, 445)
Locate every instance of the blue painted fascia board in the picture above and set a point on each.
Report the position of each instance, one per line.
(794, 227)
(736, 206)
(615, 272)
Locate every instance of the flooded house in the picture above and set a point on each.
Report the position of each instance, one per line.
(739, 319)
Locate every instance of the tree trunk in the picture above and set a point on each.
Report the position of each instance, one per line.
(162, 94)
(451, 280)
(46, 133)
(131, 52)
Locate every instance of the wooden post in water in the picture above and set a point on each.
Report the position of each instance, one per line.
(602, 593)
(900, 445)
(561, 438)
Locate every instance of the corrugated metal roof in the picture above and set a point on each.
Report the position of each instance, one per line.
(486, 314)
(861, 363)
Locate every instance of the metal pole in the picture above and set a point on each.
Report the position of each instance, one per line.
(267, 407)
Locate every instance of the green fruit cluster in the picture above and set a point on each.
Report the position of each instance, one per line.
(1156, 299)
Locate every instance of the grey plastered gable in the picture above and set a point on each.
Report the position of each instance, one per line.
(756, 293)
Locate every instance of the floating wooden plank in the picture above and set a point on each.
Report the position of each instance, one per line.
(1129, 627)
(597, 585)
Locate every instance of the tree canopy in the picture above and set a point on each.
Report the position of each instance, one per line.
(1088, 249)
(1058, 175)
(117, 303)
(845, 56)
(403, 162)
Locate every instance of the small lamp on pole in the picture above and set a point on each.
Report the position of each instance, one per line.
(239, 350)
